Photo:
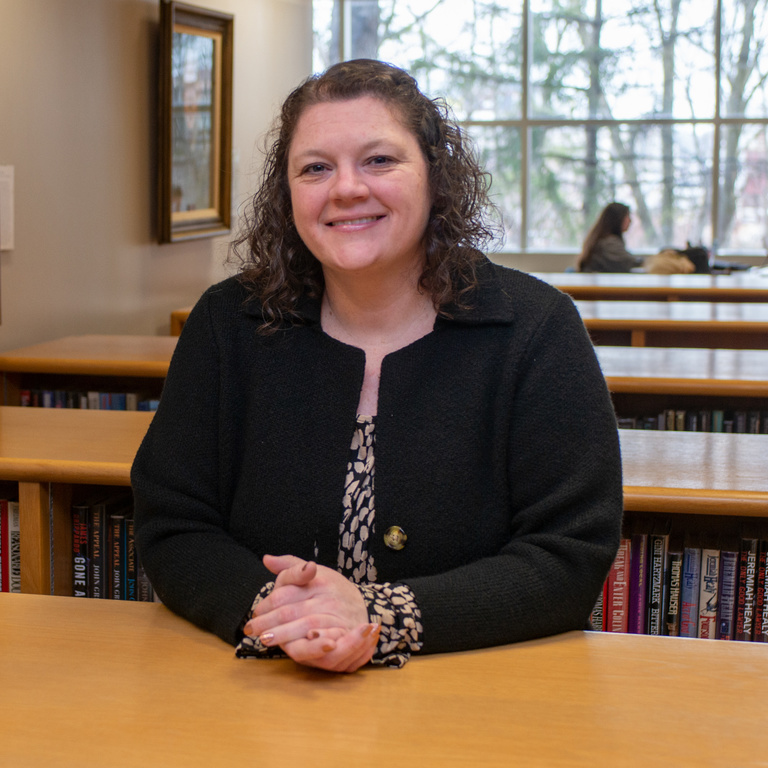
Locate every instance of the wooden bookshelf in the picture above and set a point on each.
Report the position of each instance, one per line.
(46, 453)
(676, 324)
(745, 286)
(102, 362)
(648, 380)
(164, 692)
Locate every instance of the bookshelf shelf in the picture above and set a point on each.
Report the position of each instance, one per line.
(89, 362)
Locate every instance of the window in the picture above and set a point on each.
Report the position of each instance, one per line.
(661, 104)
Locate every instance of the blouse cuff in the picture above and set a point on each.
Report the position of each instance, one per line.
(394, 607)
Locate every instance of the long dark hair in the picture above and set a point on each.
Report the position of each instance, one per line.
(609, 222)
(274, 262)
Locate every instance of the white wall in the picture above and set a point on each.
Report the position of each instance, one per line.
(77, 118)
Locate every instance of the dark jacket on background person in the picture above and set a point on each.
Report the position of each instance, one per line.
(496, 453)
(610, 255)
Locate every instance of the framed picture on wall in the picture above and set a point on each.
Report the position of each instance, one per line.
(195, 122)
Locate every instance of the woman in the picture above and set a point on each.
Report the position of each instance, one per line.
(604, 249)
(366, 324)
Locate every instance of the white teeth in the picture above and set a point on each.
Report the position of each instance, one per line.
(354, 221)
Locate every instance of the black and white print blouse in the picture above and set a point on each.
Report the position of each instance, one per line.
(393, 606)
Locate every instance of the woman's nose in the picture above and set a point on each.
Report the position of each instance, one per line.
(349, 183)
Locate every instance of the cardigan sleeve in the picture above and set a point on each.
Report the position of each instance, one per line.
(564, 473)
(196, 567)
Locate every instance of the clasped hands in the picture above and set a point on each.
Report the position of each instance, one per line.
(317, 616)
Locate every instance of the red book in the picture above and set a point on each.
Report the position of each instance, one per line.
(616, 610)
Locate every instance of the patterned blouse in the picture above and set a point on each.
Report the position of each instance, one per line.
(393, 606)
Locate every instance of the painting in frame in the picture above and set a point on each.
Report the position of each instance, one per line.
(195, 122)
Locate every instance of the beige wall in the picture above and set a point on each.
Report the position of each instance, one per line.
(77, 111)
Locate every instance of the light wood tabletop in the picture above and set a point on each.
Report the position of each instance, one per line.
(744, 286)
(681, 370)
(695, 472)
(63, 445)
(109, 355)
(678, 323)
(119, 684)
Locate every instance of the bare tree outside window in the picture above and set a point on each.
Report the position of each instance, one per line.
(572, 103)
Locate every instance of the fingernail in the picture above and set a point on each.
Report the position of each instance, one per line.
(369, 629)
(248, 631)
(328, 647)
(313, 634)
(305, 566)
(266, 637)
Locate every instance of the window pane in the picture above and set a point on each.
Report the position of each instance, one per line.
(498, 150)
(743, 214)
(622, 60)
(467, 52)
(745, 58)
(576, 171)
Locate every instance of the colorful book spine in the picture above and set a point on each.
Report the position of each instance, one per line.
(638, 586)
(689, 599)
(760, 633)
(96, 544)
(130, 561)
(597, 617)
(672, 596)
(710, 569)
(117, 556)
(726, 605)
(80, 550)
(745, 595)
(617, 608)
(657, 549)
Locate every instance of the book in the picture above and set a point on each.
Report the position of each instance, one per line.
(760, 632)
(617, 593)
(80, 550)
(709, 575)
(745, 594)
(689, 593)
(726, 606)
(657, 561)
(116, 550)
(597, 617)
(672, 593)
(638, 587)
(131, 587)
(10, 546)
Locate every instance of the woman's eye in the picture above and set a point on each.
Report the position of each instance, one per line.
(380, 160)
(314, 168)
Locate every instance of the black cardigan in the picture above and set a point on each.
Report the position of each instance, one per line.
(496, 452)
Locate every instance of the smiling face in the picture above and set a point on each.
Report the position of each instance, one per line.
(359, 188)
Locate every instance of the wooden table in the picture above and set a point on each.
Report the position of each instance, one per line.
(47, 451)
(178, 318)
(102, 683)
(676, 324)
(93, 359)
(686, 371)
(695, 473)
(745, 286)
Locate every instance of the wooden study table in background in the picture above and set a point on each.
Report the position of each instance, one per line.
(676, 324)
(744, 286)
(47, 453)
(99, 682)
(648, 380)
(87, 362)
(178, 318)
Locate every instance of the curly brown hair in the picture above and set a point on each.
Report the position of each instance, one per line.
(276, 265)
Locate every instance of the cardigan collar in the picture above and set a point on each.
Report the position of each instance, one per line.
(488, 303)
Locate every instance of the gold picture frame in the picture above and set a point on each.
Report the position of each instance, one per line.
(195, 122)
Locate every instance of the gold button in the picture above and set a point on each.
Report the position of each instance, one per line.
(395, 537)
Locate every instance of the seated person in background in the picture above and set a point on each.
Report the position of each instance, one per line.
(372, 441)
(604, 249)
